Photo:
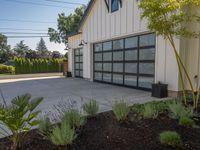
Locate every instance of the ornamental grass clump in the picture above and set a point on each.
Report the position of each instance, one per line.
(186, 122)
(178, 110)
(73, 118)
(19, 118)
(45, 126)
(121, 111)
(91, 108)
(170, 138)
(63, 135)
(150, 111)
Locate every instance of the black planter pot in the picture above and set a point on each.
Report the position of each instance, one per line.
(69, 74)
(159, 90)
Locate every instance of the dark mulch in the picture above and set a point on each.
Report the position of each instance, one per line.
(105, 133)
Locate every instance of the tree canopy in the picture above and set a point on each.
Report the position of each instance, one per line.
(5, 50)
(21, 48)
(66, 25)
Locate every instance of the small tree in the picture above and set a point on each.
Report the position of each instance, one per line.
(42, 48)
(170, 18)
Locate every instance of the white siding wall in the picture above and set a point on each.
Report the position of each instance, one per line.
(101, 25)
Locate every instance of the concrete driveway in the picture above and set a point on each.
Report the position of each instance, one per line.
(71, 92)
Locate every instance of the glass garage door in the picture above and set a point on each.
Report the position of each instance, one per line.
(128, 62)
(78, 62)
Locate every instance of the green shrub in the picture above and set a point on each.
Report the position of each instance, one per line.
(20, 117)
(91, 108)
(177, 110)
(45, 126)
(121, 111)
(186, 121)
(73, 118)
(150, 111)
(63, 135)
(4, 69)
(170, 138)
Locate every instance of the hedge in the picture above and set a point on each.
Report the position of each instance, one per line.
(23, 66)
(4, 69)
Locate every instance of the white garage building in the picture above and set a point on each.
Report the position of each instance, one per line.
(113, 45)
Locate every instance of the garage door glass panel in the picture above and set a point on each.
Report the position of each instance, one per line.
(107, 77)
(118, 44)
(77, 73)
(131, 67)
(98, 47)
(131, 55)
(118, 56)
(118, 67)
(77, 66)
(146, 82)
(146, 68)
(147, 54)
(98, 57)
(107, 46)
(98, 67)
(81, 66)
(118, 79)
(131, 42)
(130, 80)
(147, 40)
(107, 56)
(107, 67)
(98, 76)
(77, 59)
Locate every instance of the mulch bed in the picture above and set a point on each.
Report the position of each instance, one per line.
(105, 133)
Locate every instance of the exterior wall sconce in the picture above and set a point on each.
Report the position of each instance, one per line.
(82, 43)
(67, 48)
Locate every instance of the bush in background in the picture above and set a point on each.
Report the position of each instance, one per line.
(25, 66)
(4, 69)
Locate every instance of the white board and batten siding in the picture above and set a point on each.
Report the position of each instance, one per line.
(100, 25)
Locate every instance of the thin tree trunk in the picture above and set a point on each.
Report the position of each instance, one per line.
(180, 71)
(184, 69)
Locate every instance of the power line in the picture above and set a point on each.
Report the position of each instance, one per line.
(38, 4)
(26, 36)
(17, 29)
(22, 33)
(58, 1)
(30, 21)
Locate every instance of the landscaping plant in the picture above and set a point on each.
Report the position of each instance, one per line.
(73, 118)
(186, 121)
(171, 19)
(170, 138)
(63, 135)
(4, 69)
(121, 111)
(150, 111)
(45, 126)
(178, 110)
(91, 108)
(19, 118)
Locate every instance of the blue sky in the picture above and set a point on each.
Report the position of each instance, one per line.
(15, 10)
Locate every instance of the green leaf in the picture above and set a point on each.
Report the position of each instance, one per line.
(34, 103)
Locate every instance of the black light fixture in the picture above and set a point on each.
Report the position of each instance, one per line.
(67, 48)
(82, 43)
